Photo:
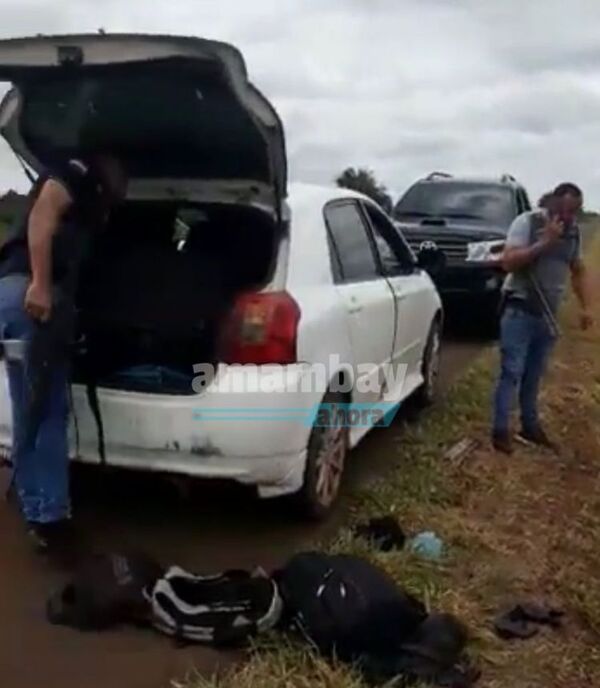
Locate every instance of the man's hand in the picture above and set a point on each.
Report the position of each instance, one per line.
(586, 320)
(38, 302)
(519, 252)
(553, 230)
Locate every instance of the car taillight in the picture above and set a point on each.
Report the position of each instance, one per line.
(262, 328)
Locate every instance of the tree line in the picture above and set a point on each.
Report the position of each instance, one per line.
(364, 181)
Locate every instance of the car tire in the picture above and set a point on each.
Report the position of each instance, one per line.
(325, 461)
(428, 392)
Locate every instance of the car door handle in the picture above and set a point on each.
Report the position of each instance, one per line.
(354, 309)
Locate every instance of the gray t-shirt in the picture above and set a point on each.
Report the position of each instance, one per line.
(551, 269)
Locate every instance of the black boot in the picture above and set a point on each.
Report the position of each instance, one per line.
(538, 438)
(502, 442)
(57, 540)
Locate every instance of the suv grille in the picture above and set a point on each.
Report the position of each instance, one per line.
(453, 246)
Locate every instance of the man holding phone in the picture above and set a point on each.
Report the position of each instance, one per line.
(542, 247)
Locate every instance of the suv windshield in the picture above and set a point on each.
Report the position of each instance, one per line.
(464, 200)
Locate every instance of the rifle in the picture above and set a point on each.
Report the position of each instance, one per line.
(535, 288)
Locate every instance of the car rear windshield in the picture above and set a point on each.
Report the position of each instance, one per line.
(462, 200)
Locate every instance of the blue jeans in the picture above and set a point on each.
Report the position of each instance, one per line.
(41, 474)
(525, 345)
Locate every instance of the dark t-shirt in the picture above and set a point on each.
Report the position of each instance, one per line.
(69, 243)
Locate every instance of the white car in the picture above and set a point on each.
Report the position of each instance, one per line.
(217, 297)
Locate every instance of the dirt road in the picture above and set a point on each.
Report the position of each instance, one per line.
(215, 528)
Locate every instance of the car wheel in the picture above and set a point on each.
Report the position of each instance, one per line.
(428, 392)
(325, 462)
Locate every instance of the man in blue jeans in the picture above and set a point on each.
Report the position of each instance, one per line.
(542, 248)
(39, 266)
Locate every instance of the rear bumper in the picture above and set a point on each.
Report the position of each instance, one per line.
(272, 475)
(253, 437)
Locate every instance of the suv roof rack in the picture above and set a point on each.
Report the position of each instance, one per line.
(438, 175)
(508, 179)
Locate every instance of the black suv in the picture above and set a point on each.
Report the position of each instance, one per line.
(468, 220)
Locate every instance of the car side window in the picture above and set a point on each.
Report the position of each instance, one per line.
(352, 257)
(520, 205)
(523, 204)
(395, 255)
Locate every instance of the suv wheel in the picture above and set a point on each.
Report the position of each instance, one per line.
(325, 461)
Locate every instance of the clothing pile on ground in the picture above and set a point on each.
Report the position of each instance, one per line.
(523, 620)
(343, 606)
(383, 533)
(386, 535)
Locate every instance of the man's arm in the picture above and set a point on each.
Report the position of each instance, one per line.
(44, 219)
(518, 252)
(583, 292)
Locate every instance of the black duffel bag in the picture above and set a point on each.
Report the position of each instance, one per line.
(346, 607)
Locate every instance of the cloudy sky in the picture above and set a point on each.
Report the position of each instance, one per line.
(401, 86)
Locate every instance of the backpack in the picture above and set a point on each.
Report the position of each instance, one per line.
(222, 610)
(105, 591)
(345, 606)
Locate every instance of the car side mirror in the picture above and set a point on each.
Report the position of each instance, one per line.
(432, 260)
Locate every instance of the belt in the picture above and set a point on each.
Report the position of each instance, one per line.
(523, 305)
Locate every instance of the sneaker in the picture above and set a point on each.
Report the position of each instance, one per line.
(502, 442)
(56, 540)
(537, 438)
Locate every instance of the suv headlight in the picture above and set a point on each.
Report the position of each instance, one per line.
(485, 251)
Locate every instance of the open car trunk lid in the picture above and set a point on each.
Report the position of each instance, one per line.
(180, 112)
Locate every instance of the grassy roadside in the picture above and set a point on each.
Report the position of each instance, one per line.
(527, 526)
